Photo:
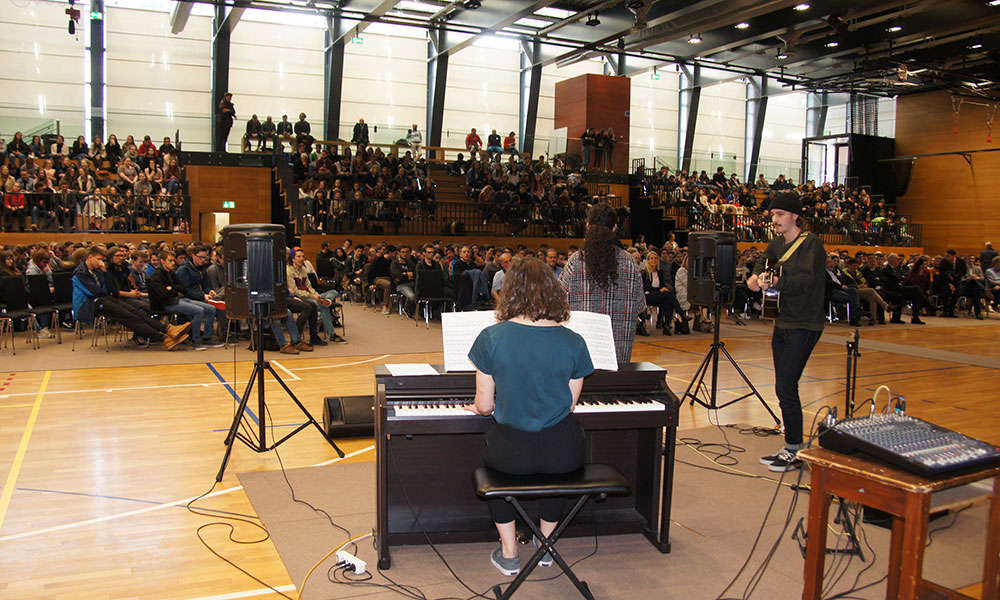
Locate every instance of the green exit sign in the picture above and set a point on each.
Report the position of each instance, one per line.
(654, 76)
(96, 15)
(357, 40)
(229, 204)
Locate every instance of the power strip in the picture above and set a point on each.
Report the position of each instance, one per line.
(345, 557)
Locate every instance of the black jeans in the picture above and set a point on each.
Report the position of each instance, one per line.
(556, 449)
(135, 319)
(791, 349)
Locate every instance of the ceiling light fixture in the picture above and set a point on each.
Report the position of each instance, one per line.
(801, 7)
(894, 29)
(993, 3)
(593, 21)
(782, 56)
(695, 39)
(975, 46)
(473, 4)
(742, 25)
(832, 44)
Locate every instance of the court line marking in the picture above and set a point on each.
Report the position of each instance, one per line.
(125, 499)
(248, 593)
(148, 509)
(22, 449)
(233, 393)
(15, 405)
(293, 376)
(350, 364)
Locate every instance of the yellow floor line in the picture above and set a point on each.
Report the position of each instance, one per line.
(15, 405)
(22, 449)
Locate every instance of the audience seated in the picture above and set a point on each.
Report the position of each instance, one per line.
(97, 187)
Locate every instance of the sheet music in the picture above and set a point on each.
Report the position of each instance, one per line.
(399, 369)
(595, 329)
(459, 331)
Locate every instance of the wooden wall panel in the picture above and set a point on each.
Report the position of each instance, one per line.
(248, 187)
(956, 202)
(597, 101)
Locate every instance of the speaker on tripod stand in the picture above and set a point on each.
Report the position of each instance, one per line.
(256, 290)
(711, 282)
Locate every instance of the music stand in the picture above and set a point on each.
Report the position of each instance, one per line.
(258, 443)
(712, 360)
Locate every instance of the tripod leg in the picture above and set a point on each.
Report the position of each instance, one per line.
(231, 436)
(291, 395)
(697, 380)
(754, 391)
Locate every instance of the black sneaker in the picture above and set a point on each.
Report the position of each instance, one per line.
(784, 460)
(337, 339)
(317, 341)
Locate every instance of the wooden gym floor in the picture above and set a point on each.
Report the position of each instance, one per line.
(97, 464)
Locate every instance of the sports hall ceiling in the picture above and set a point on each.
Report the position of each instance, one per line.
(884, 47)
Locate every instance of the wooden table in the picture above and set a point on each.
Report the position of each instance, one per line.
(907, 498)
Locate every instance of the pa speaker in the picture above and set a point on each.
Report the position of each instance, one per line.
(349, 416)
(255, 271)
(711, 266)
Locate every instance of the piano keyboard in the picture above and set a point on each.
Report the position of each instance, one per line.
(455, 407)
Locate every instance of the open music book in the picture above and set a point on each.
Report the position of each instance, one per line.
(460, 329)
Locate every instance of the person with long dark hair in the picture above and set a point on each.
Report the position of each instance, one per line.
(603, 278)
(529, 374)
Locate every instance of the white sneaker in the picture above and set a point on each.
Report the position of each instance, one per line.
(385, 310)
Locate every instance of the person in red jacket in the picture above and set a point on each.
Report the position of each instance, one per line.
(473, 141)
(15, 208)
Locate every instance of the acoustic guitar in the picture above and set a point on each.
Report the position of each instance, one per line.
(772, 297)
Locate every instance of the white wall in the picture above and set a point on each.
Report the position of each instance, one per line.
(42, 73)
(781, 140)
(653, 121)
(719, 132)
(158, 82)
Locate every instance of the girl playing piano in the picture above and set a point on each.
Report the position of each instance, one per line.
(529, 373)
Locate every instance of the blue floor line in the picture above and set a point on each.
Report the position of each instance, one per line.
(212, 510)
(236, 396)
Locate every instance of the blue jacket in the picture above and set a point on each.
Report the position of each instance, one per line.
(193, 280)
(85, 290)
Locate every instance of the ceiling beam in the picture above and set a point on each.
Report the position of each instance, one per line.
(526, 9)
(179, 16)
(372, 16)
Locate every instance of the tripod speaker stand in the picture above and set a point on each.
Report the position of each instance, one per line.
(258, 442)
(711, 361)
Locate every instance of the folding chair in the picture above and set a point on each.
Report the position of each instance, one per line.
(429, 287)
(15, 299)
(43, 302)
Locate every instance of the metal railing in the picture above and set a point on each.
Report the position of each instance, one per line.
(468, 219)
(755, 227)
(97, 212)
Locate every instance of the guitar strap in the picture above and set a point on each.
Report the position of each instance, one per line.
(791, 250)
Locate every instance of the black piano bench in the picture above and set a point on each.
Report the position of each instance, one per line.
(593, 480)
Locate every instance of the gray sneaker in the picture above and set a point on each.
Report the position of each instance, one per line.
(507, 566)
(785, 460)
(546, 558)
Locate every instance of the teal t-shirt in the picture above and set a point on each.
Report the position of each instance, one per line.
(531, 367)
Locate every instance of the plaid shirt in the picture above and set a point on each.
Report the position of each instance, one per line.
(623, 301)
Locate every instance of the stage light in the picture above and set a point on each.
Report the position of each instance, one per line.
(593, 21)
(694, 39)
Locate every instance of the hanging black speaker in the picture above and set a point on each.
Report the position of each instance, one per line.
(255, 270)
(711, 266)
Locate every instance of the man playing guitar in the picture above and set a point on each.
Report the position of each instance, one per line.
(801, 262)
